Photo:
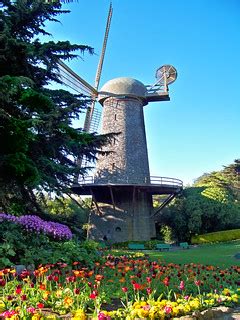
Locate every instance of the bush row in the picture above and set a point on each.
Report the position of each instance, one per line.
(220, 236)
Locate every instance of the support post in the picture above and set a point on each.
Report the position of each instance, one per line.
(95, 202)
(112, 198)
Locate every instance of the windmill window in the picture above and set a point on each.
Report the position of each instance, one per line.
(113, 142)
(115, 116)
(118, 229)
(113, 166)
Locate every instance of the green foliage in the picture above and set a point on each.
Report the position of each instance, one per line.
(151, 244)
(67, 251)
(220, 236)
(232, 171)
(167, 234)
(39, 146)
(17, 246)
(68, 211)
(90, 245)
(17, 240)
(6, 254)
(210, 205)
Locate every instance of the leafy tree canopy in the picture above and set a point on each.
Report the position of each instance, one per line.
(211, 204)
(39, 146)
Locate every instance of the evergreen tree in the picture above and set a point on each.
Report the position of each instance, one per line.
(232, 174)
(39, 146)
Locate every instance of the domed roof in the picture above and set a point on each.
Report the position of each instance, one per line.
(123, 86)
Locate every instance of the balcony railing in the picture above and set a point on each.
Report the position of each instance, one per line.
(154, 180)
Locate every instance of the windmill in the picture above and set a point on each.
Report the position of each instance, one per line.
(122, 187)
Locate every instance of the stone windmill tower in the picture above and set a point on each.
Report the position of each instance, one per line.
(121, 187)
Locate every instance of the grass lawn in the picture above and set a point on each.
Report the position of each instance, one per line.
(221, 255)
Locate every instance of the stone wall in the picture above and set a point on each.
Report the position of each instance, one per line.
(129, 220)
(124, 161)
(128, 160)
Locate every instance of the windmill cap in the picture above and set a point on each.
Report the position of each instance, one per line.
(123, 87)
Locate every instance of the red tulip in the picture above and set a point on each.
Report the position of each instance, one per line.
(2, 282)
(166, 281)
(18, 290)
(77, 291)
(136, 286)
(93, 295)
(198, 283)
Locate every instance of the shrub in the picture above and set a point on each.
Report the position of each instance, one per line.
(220, 236)
(21, 245)
(167, 234)
(151, 244)
(67, 252)
(35, 224)
(90, 245)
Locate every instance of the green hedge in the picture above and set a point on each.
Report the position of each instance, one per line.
(220, 236)
(151, 244)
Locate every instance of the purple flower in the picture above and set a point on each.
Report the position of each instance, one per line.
(8, 217)
(35, 224)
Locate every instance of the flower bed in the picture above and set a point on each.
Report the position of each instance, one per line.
(119, 288)
(35, 224)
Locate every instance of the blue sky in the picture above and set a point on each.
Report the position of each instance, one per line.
(198, 131)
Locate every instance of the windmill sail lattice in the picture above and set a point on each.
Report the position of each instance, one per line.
(79, 85)
(74, 81)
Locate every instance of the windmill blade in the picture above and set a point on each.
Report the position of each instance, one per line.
(91, 115)
(74, 81)
(100, 64)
